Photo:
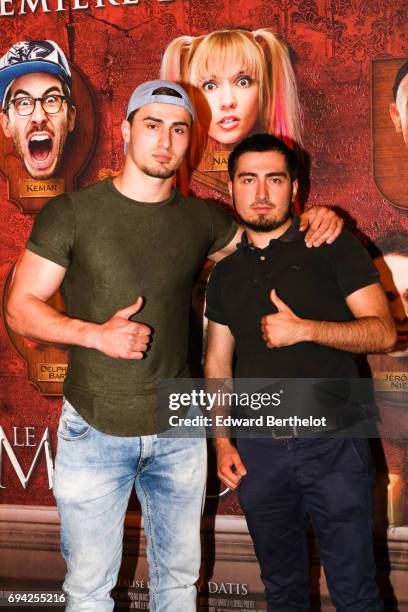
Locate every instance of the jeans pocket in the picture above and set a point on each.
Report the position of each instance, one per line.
(72, 426)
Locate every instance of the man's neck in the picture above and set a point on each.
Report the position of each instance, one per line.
(135, 184)
(262, 239)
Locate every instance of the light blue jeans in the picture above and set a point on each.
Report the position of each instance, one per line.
(93, 478)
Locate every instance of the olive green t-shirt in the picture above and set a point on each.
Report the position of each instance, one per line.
(115, 249)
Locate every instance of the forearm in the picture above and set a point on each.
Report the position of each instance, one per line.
(230, 468)
(219, 379)
(119, 337)
(35, 319)
(214, 368)
(363, 335)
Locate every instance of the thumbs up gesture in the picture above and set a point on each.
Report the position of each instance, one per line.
(282, 328)
(122, 338)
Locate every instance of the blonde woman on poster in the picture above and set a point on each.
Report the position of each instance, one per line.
(240, 82)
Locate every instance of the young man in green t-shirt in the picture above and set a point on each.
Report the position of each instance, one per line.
(125, 253)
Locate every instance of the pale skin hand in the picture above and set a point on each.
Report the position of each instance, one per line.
(220, 350)
(230, 469)
(323, 223)
(35, 280)
(122, 338)
(372, 331)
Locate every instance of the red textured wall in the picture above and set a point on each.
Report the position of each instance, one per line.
(333, 43)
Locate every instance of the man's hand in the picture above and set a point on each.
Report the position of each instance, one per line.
(122, 338)
(230, 468)
(323, 223)
(29, 314)
(282, 328)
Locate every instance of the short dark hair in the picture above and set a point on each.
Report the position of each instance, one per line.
(262, 143)
(160, 91)
(398, 78)
(393, 242)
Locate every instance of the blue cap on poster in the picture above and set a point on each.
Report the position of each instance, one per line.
(29, 56)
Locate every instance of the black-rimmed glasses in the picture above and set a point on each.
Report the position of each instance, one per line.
(25, 105)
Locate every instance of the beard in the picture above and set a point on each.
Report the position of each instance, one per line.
(264, 224)
(158, 172)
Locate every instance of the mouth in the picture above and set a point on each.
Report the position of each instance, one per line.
(401, 346)
(402, 336)
(262, 209)
(162, 158)
(229, 123)
(40, 148)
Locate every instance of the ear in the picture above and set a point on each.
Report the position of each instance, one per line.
(125, 127)
(71, 118)
(230, 189)
(5, 124)
(395, 116)
(295, 186)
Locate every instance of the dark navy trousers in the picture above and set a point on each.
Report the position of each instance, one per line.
(330, 481)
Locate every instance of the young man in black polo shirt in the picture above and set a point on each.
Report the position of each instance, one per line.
(269, 303)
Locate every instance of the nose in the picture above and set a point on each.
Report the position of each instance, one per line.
(165, 138)
(261, 191)
(38, 115)
(228, 99)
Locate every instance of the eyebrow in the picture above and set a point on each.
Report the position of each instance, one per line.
(27, 93)
(241, 174)
(161, 121)
(234, 76)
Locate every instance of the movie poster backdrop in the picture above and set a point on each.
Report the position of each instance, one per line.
(320, 75)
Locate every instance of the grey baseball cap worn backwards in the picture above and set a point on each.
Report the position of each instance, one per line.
(28, 56)
(144, 94)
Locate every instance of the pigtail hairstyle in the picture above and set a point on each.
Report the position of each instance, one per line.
(187, 60)
(175, 66)
(281, 112)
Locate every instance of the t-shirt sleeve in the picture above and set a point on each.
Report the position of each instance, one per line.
(53, 233)
(214, 309)
(354, 267)
(224, 227)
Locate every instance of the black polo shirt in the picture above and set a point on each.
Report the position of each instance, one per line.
(313, 282)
